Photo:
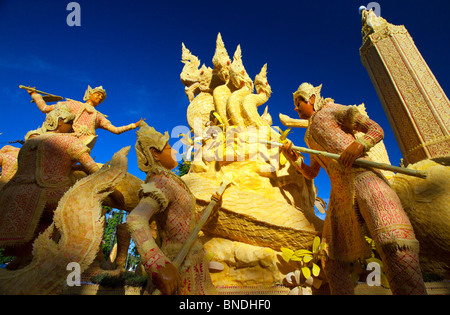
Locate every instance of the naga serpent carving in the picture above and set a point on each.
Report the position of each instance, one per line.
(226, 89)
(222, 62)
(250, 102)
(244, 85)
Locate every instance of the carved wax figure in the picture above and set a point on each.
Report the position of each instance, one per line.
(28, 200)
(8, 163)
(167, 197)
(361, 200)
(87, 118)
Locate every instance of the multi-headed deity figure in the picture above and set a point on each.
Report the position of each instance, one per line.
(361, 200)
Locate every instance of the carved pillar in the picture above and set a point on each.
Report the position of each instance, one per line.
(416, 106)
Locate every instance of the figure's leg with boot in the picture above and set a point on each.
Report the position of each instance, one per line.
(393, 234)
(338, 276)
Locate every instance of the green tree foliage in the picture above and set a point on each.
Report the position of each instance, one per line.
(4, 259)
(133, 257)
(114, 218)
(183, 167)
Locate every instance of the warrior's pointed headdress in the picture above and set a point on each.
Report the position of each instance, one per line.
(91, 91)
(306, 90)
(148, 138)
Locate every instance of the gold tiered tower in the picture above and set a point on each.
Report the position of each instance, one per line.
(419, 114)
(415, 104)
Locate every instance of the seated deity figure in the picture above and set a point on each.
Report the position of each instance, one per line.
(28, 200)
(87, 118)
(166, 197)
(361, 200)
(8, 163)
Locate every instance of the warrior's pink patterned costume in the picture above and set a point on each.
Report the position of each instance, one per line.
(361, 201)
(175, 219)
(87, 119)
(42, 178)
(165, 197)
(8, 162)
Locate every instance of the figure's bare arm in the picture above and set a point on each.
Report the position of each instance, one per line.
(41, 103)
(107, 125)
(309, 171)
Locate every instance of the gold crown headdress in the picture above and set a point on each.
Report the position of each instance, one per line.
(147, 138)
(91, 91)
(306, 90)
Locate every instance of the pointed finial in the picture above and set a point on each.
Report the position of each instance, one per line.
(263, 71)
(237, 53)
(221, 57)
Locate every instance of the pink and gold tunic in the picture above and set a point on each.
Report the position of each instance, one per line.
(175, 219)
(361, 200)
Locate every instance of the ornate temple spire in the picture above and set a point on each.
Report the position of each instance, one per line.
(417, 108)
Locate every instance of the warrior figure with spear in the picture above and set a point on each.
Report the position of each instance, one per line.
(87, 118)
(361, 200)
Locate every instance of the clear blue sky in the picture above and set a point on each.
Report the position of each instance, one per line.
(133, 49)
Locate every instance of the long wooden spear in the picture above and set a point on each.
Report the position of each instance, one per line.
(226, 180)
(359, 162)
(47, 96)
